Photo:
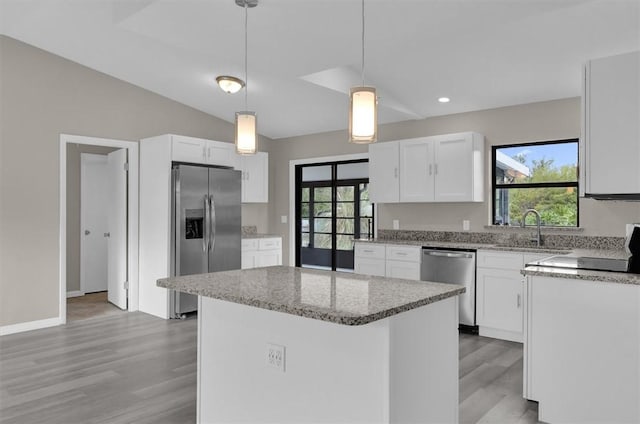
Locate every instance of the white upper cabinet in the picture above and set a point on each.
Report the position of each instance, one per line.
(443, 168)
(610, 148)
(458, 167)
(255, 177)
(416, 170)
(201, 151)
(384, 172)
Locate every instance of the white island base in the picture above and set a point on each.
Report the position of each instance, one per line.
(395, 370)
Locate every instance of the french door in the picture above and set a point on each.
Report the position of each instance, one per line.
(332, 209)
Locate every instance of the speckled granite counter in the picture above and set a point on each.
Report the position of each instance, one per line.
(580, 274)
(259, 236)
(337, 297)
(468, 245)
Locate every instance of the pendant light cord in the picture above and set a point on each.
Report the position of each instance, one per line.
(363, 43)
(246, 78)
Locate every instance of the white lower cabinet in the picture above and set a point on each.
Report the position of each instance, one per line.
(369, 259)
(385, 260)
(500, 293)
(261, 252)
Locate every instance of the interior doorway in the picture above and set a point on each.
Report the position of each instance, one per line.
(99, 243)
(332, 209)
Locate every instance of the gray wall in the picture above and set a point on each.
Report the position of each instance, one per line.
(552, 120)
(42, 96)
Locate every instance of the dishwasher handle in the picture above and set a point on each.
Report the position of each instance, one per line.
(447, 254)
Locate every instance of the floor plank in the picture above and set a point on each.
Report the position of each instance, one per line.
(135, 368)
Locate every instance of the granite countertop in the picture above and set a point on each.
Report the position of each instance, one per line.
(259, 236)
(469, 245)
(583, 274)
(338, 297)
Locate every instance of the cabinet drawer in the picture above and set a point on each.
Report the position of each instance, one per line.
(403, 269)
(269, 243)
(369, 250)
(249, 244)
(369, 266)
(403, 253)
(500, 260)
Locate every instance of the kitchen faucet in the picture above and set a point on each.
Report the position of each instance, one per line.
(538, 238)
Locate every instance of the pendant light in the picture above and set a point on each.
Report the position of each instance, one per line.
(363, 107)
(246, 122)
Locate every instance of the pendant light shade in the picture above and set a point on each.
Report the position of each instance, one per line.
(363, 107)
(363, 115)
(246, 137)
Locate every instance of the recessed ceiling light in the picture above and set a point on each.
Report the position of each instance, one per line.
(444, 99)
(229, 84)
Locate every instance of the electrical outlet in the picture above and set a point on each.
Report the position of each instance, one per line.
(283, 219)
(396, 224)
(466, 225)
(275, 356)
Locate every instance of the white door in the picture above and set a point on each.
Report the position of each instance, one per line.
(93, 222)
(117, 219)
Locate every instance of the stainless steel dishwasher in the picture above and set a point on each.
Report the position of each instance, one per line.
(453, 266)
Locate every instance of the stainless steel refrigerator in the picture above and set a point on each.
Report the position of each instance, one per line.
(205, 226)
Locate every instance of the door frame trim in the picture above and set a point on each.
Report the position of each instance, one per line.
(292, 192)
(132, 212)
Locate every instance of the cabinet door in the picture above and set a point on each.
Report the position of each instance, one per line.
(188, 149)
(255, 178)
(499, 302)
(416, 171)
(384, 177)
(248, 260)
(221, 154)
(402, 269)
(369, 266)
(269, 258)
(612, 129)
(453, 168)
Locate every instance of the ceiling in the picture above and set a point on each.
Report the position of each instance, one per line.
(304, 55)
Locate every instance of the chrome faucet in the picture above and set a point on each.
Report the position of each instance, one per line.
(538, 238)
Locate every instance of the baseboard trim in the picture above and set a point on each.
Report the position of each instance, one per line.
(28, 326)
(511, 336)
(75, 293)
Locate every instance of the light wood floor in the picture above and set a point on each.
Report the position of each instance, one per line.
(90, 305)
(135, 368)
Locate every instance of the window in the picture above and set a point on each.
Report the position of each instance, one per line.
(541, 176)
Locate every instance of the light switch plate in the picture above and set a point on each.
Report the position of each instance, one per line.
(283, 219)
(466, 225)
(396, 224)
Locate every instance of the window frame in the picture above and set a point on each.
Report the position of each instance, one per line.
(495, 186)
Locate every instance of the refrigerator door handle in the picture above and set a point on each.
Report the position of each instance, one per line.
(205, 232)
(212, 223)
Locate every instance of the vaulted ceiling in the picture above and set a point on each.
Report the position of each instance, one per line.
(304, 55)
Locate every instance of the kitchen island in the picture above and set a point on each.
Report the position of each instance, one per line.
(292, 345)
(582, 344)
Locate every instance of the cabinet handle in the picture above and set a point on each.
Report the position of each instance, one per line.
(436, 168)
(519, 300)
(395, 172)
(247, 175)
(430, 169)
(401, 253)
(367, 251)
(204, 152)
